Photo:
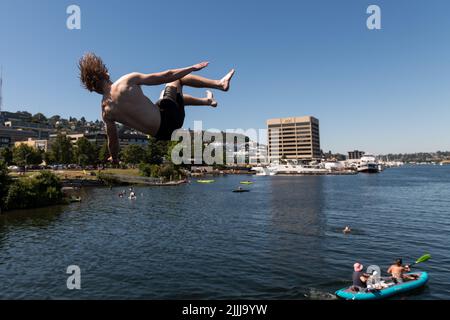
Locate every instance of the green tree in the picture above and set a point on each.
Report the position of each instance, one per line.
(39, 191)
(48, 158)
(85, 152)
(156, 151)
(170, 146)
(6, 155)
(133, 154)
(103, 153)
(55, 118)
(62, 150)
(24, 155)
(5, 181)
(39, 118)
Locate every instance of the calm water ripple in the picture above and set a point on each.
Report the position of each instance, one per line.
(283, 240)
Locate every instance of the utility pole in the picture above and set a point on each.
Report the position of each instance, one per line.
(1, 96)
(1, 87)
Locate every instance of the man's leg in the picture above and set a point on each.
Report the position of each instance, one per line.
(208, 101)
(195, 81)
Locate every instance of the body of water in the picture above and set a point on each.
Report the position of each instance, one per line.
(283, 240)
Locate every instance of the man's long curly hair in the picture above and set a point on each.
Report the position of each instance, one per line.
(93, 73)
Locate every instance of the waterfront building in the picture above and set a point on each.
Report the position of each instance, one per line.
(5, 142)
(36, 144)
(355, 155)
(97, 138)
(42, 130)
(20, 116)
(134, 138)
(100, 138)
(296, 138)
(14, 135)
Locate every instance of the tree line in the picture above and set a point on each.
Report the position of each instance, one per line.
(85, 153)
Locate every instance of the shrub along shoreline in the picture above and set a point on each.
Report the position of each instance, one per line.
(45, 188)
(41, 190)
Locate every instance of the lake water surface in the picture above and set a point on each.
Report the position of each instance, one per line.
(283, 240)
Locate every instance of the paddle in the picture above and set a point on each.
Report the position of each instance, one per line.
(423, 258)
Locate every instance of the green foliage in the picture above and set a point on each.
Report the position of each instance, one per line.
(149, 170)
(39, 118)
(61, 150)
(170, 146)
(48, 157)
(85, 152)
(39, 191)
(108, 179)
(6, 155)
(5, 182)
(167, 171)
(24, 155)
(133, 154)
(156, 151)
(103, 153)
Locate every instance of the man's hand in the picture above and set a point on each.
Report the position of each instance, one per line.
(200, 66)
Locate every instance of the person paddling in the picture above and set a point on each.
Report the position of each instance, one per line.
(397, 271)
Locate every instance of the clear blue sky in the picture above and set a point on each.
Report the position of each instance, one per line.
(379, 91)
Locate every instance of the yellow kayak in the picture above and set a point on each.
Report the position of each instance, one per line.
(246, 182)
(206, 181)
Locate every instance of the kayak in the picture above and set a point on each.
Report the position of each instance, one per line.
(246, 182)
(205, 181)
(395, 289)
(241, 191)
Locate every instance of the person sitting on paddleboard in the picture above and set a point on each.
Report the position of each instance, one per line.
(397, 271)
(359, 277)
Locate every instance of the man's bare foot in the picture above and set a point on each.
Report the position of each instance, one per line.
(225, 82)
(212, 101)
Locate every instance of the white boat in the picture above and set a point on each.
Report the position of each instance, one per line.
(368, 164)
(289, 168)
(262, 171)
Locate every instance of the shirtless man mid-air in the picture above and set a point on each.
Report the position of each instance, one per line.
(124, 102)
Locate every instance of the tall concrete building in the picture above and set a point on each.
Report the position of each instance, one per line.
(355, 155)
(296, 138)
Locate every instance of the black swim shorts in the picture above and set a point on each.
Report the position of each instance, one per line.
(171, 107)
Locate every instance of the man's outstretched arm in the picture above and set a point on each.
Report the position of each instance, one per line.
(113, 140)
(168, 76)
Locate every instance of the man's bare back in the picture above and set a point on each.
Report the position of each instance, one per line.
(126, 100)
